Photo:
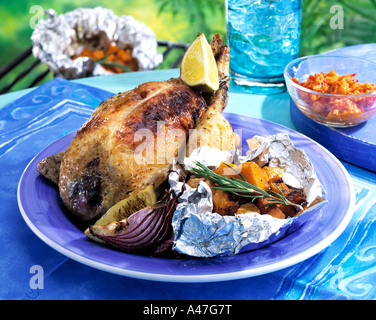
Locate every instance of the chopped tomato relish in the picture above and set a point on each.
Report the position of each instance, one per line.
(336, 109)
(334, 83)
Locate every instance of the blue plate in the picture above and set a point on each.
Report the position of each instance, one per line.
(43, 212)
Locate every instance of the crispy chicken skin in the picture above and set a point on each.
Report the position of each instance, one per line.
(108, 158)
(131, 140)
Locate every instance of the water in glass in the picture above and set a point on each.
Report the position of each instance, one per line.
(264, 36)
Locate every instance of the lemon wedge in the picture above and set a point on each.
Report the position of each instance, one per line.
(198, 67)
(124, 208)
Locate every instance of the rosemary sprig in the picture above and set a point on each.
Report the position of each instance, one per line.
(118, 65)
(242, 188)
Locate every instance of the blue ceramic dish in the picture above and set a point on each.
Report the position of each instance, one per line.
(332, 110)
(44, 213)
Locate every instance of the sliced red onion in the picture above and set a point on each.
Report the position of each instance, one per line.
(143, 231)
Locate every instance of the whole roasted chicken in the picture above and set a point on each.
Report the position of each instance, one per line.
(132, 139)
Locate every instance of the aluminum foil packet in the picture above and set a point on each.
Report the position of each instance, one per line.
(199, 232)
(59, 38)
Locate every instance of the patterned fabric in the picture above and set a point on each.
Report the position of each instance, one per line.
(345, 270)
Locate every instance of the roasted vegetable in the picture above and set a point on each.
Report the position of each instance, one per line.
(224, 169)
(250, 182)
(248, 207)
(143, 231)
(219, 196)
(249, 170)
(254, 175)
(125, 208)
(296, 196)
(280, 187)
(193, 183)
(272, 174)
(227, 208)
(266, 206)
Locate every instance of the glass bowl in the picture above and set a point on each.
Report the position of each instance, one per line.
(332, 110)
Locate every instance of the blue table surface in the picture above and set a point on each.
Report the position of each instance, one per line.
(344, 270)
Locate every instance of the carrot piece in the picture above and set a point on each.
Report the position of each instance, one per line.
(112, 49)
(125, 55)
(97, 54)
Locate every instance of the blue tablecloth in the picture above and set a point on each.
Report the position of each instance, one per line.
(30, 120)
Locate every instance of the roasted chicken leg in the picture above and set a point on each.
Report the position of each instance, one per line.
(214, 130)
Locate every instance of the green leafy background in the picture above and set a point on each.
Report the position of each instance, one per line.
(180, 20)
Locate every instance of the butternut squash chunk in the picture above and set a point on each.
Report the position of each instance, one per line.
(281, 186)
(250, 170)
(254, 174)
(273, 174)
(224, 170)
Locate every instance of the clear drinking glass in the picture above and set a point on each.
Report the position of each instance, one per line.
(264, 36)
